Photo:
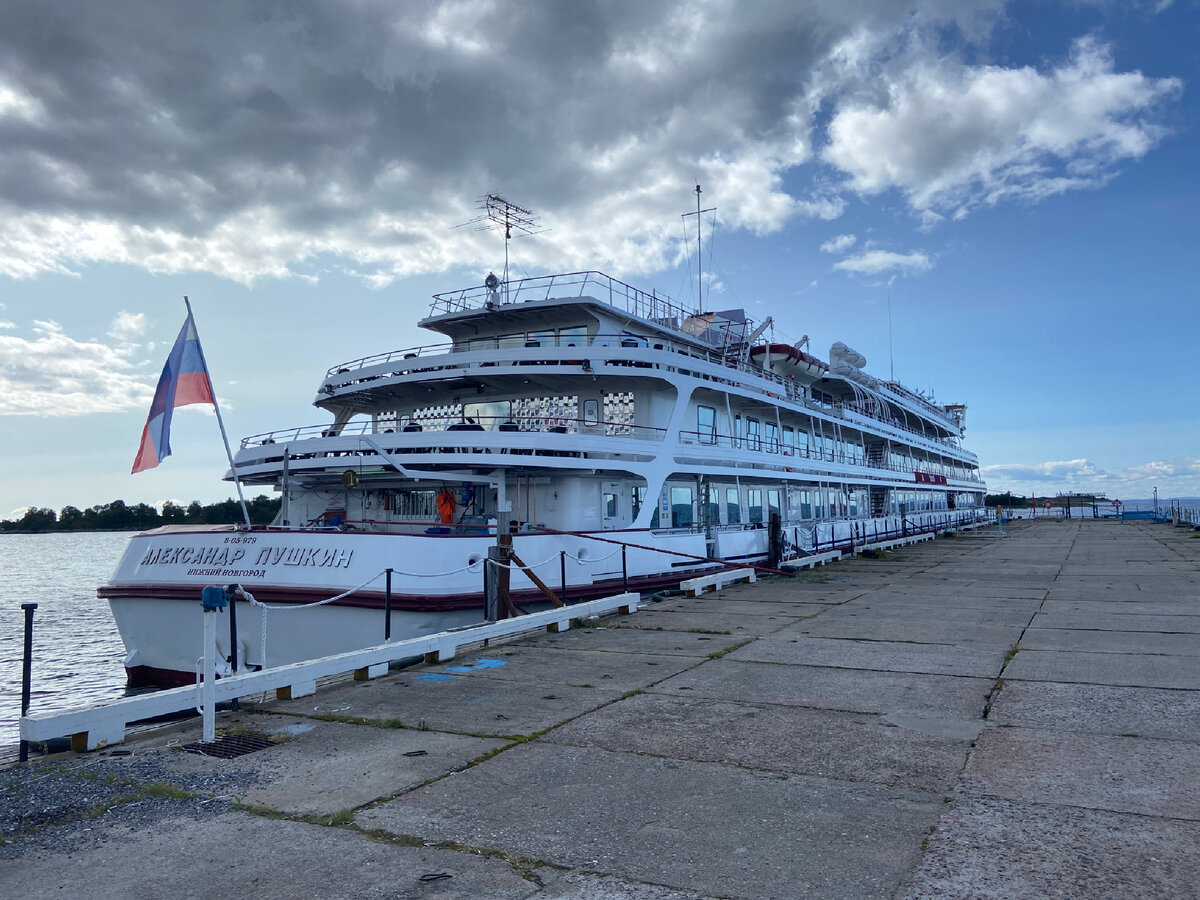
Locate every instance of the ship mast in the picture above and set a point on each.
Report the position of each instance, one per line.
(699, 251)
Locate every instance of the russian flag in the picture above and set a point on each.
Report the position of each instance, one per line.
(184, 381)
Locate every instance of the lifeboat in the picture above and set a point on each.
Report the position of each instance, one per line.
(787, 360)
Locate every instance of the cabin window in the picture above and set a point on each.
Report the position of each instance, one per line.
(754, 505)
(754, 435)
(772, 437)
(789, 439)
(681, 507)
(819, 503)
(773, 501)
(802, 443)
(737, 431)
(639, 496)
(733, 507)
(806, 504)
(706, 424)
(610, 505)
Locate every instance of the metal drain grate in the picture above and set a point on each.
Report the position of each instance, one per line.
(230, 745)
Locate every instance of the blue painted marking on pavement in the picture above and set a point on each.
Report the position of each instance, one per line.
(478, 664)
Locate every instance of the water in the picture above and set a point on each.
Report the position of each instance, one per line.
(77, 653)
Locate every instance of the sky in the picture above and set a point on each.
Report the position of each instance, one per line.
(995, 202)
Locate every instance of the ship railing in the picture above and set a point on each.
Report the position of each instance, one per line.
(797, 452)
(788, 388)
(461, 425)
(658, 308)
(380, 358)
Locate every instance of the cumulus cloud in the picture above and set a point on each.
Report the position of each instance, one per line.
(839, 243)
(255, 141)
(951, 136)
(52, 374)
(1174, 478)
(876, 262)
(127, 326)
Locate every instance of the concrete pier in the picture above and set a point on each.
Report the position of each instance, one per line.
(978, 716)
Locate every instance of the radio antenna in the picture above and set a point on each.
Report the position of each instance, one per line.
(699, 251)
(496, 212)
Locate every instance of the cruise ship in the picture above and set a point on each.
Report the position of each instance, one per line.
(623, 441)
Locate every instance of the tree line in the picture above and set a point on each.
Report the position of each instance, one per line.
(120, 516)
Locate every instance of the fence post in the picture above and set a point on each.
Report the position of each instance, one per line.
(387, 606)
(26, 674)
(562, 570)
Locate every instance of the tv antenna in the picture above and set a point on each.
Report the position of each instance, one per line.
(496, 212)
(699, 251)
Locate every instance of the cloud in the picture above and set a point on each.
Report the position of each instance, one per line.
(839, 243)
(52, 374)
(875, 262)
(127, 326)
(258, 142)
(1178, 477)
(951, 137)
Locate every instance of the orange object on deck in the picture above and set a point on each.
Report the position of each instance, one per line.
(445, 505)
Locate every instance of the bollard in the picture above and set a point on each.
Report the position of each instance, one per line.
(26, 674)
(387, 608)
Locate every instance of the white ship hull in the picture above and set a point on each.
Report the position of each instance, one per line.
(436, 583)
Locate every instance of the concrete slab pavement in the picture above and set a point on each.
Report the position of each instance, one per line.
(662, 758)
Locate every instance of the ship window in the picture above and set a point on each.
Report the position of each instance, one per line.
(681, 506)
(772, 437)
(806, 504)
(591, 412)
(610, 505)
(789, 439)
(773, 501)
(754, 439)
(706, 424)
(733, 509)
(572, 337)
(737, 431)
(754, 505)
(713, 499)
(639, 496)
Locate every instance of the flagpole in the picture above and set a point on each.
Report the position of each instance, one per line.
(220, 422)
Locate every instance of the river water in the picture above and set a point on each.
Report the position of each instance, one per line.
(77, 653)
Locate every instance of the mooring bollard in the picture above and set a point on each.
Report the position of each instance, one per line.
(26, 674)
